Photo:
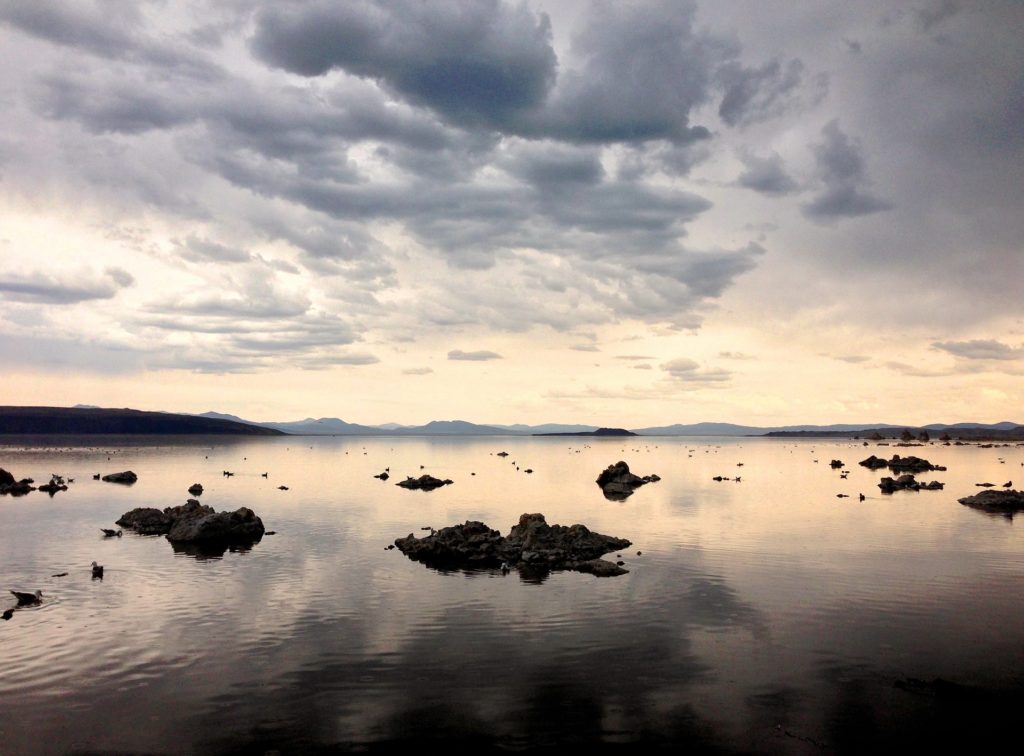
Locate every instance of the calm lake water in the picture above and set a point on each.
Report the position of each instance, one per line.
(764, 615)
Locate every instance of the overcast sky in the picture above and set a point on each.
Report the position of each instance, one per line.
(620, 213)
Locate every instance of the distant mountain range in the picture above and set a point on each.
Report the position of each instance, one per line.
(84, 419)
(334, 426)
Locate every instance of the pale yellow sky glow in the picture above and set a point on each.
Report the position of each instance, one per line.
(614, 214)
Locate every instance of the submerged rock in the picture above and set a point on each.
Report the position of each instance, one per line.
(56, 484)
(196, 489)
(193, 521)
(617, 482)
(424, 483)
(127, 477)
(1005, 503)
(531, 544)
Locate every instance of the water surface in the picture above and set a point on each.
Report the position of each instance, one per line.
(763, 615)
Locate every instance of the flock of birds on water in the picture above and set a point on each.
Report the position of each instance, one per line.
(29, 599)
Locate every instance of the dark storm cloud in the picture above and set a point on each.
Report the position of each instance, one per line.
(478, 62)
(843, 174)
(480, 356)
(766, 175)
(641, 70)
(63, 289)
(636, 71)
(980, 349)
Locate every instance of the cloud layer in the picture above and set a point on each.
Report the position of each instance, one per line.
(247, 187)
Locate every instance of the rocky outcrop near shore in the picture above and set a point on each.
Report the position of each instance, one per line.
(11, 487)
(1007, 503)
(618, 483)
(531, 544)
(194, 522)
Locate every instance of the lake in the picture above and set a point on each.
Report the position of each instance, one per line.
(764, 615)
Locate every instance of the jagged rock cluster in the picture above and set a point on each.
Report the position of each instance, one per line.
(194, 522)
(907, 482)
(900, 464)
(530, 544)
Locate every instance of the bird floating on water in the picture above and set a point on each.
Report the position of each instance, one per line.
(27, 599)
(505, 568)
(108, 533)
(97, 570)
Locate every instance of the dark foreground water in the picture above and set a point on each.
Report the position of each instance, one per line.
(765, 615)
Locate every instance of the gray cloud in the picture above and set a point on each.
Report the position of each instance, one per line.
(841, 168)
(584, 348)
(64, 289)
(754, 94)
(853, 359)
(766, 175)
(195, 249)
(934, 13)
(480, 356)
(418, 371)
(105, 29)
(686, 370)
(980, 349)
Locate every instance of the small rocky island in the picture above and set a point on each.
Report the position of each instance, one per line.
(193, 522)
(1006, 503)
(618, 482)
(907, 482)
(422, 483)
(900, 464)
(530, 544)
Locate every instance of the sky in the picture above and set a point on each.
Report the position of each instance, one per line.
(617, 213)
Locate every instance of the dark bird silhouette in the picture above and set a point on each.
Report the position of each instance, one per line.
(96, 476)
(7, 614)
(27, 599)
(108, 533)
(265, 475)
(97, 570)
(1008, 484)
(282, 488)
(862, 497)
